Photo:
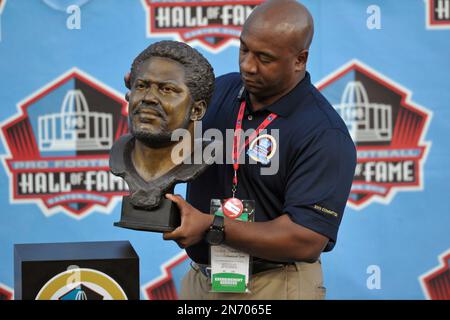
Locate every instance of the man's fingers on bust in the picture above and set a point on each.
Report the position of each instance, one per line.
(176, 198)
(171, 235)
(171, 197)
(181, 242)
(167, 235)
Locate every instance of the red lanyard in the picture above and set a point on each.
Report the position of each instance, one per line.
(237, 139)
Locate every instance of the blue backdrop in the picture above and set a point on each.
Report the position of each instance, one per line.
(394, 241)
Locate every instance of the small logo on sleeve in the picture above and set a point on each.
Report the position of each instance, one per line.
(325, 211)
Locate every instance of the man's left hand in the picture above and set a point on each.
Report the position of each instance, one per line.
(193, 226)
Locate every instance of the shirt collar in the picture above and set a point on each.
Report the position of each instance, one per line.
(288, 103)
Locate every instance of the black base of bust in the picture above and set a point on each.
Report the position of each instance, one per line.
(164, 218)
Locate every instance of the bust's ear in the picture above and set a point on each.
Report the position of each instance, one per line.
(198, 110)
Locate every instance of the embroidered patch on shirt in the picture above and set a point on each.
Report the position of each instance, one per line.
(325, 210)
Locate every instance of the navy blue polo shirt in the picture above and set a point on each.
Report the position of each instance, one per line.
(316, 157)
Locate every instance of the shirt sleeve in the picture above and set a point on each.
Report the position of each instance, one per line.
(319, 182)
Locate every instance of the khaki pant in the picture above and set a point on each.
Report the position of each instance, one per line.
(301, 281)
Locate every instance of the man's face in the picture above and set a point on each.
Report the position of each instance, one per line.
(267, 61)
(160, 101)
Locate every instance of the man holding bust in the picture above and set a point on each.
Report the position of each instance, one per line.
(297, 211)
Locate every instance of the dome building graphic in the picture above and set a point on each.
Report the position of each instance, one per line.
(366, 121)
(75, 127)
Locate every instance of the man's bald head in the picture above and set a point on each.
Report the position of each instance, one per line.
(274, 49)
(285, 17)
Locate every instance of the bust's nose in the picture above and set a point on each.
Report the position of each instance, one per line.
(151, 96)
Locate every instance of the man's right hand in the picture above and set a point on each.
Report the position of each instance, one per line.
(194, 223)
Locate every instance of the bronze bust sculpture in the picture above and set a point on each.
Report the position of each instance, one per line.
(171, 85)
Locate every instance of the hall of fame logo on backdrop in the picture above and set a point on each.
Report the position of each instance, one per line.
(388, 129)
(211, 24)
(436, 282)
(59, 142)
(167, 285)
(437, 14)
(81, 284)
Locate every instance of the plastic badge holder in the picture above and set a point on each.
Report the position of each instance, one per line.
(230, 268)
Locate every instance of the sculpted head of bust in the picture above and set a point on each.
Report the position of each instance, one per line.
(171, 84)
